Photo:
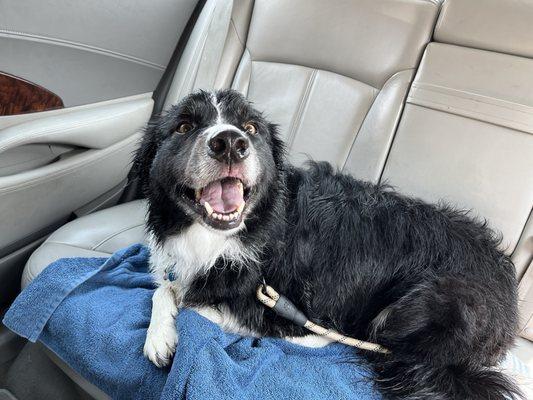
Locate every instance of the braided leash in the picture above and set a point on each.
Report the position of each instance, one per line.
(286, 309)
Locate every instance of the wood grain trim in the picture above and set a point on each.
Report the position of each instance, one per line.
(19, 96)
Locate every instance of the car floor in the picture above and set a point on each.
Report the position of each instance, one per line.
(32, 375)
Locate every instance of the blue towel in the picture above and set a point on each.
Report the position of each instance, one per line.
(93, 313)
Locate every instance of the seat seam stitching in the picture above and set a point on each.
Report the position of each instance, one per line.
(376, 95)
(114, 235)
(194, 66)
(250, 74)
(300, 109)
(325, 70)
(232, 23)
(412, 70)
(442, 107)
(70, 245)
(420, 86)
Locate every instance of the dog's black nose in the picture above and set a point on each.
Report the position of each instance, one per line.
(229, 146)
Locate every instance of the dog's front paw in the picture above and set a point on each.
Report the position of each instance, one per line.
(160, 344)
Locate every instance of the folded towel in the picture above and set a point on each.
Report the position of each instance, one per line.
(93, 313)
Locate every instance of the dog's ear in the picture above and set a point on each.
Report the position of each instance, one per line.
(145, 153)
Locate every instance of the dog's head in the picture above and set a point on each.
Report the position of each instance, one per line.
(210, 159)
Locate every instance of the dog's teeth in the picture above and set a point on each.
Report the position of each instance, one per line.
(208, 208)
(198, 193)
(239, 185)
(222, 217)
(241, 207)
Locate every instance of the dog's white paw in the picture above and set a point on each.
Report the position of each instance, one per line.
(160, 344)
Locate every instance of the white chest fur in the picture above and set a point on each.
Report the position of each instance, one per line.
(194, 252)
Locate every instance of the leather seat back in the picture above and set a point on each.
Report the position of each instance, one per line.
(466, 134)
(332, 74)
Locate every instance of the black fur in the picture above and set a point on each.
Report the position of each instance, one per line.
(344, 251)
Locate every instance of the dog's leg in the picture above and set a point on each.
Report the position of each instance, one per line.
(162, 336)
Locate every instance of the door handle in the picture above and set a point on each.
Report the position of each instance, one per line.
(94, 128)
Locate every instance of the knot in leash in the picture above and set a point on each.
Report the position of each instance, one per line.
(286, 309)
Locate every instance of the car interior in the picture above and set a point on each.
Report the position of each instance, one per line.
(431, 97)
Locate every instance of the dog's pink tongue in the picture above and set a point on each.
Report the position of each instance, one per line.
(223, 197)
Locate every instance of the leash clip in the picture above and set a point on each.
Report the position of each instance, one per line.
(286, 309)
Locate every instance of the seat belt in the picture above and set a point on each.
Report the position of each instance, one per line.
(199, 63)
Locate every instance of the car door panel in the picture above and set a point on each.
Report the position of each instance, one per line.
(90, 51)
(76, 92)
(101, 141)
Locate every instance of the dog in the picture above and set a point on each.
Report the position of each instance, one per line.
(227, 211)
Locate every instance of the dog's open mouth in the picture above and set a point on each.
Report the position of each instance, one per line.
(221, 202)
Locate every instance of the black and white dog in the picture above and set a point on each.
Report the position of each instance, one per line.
(226, 210)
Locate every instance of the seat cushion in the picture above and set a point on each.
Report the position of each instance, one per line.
(95, 235)
(102, 233)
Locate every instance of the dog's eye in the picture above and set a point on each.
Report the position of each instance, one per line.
(184, 127)
(250, 128)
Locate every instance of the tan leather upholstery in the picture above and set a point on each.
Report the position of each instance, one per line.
(466, 133)
(503, 26)
(335, 74)
(319, 80)
(107, 132)
(235, 43)
(365, 40)
(95, 235)
(523, 259)
(321, 86)
(198, 66)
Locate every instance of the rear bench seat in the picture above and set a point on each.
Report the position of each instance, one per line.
(335, 76)
(336, 89)
(466, 133)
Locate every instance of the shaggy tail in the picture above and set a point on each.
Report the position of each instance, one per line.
(399, 380)
(440, 349)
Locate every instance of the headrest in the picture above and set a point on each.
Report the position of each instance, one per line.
(366, 40)
(504, 26)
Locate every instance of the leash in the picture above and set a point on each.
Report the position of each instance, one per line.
(286, 309)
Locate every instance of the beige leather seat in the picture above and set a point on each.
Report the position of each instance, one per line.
(466, 133)
(96, 235)
(335, 75)
(336, 90)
